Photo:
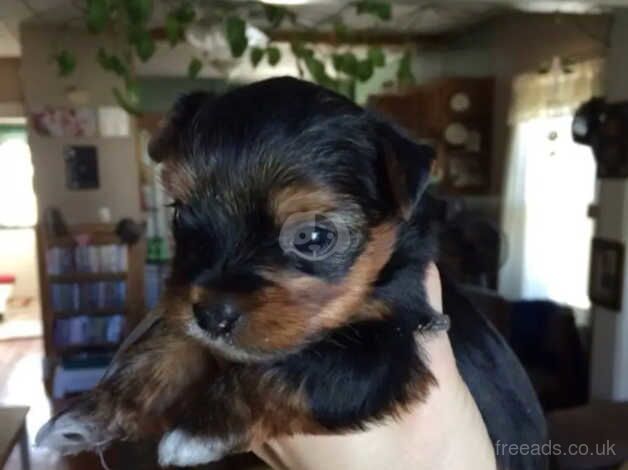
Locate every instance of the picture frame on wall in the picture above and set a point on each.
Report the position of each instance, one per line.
(81, 167)
(52, 121)
(607, 273)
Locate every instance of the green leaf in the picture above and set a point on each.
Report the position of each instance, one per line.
(377, 56)
(103, 58)
(275, 14)
(346, 88)
(177, 21)
(235, 32)
(316, 69)
(144, 46)
(300, 50)
(404, 72)
(133, 92)
(112, 63)
(364, 70)
(274, 55)
(377, 8)
(128, 100)
(96, 15)
(115, 7)
(346, 63)
(194, 68)
(185, 13)
(138, 11)
(174, 29)
(257, 55)
(66, 62)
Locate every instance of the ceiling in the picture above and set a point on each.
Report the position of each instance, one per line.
(409, 16)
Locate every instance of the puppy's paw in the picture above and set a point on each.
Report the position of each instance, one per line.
(179, 448)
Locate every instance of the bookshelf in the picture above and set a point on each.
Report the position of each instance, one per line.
(92, 294)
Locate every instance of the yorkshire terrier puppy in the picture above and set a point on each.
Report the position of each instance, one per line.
(296, 292)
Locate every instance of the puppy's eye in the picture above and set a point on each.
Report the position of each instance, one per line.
(314, 238)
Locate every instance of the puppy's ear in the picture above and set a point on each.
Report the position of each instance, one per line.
(406, 165)
(166, 141)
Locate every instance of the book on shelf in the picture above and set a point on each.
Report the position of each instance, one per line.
(70, 380)
(85, 330)
(87, 259)
(89, 296)
(86, 360)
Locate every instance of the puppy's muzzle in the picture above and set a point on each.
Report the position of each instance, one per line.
(216, 319)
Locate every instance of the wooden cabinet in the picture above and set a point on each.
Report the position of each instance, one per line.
(400, 109)
(455, 115)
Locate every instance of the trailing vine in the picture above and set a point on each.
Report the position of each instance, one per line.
(135, 21)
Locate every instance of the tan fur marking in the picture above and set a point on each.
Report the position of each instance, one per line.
(180, 363)
(295, 199)
(282, 411)
(283, 316)
(358, 284)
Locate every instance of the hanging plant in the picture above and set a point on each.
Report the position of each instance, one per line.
(341, 69)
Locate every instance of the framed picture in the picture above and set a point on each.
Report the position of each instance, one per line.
(607, 273)
(64, 122)
(81, 167)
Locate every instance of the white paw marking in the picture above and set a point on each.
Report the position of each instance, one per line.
(181, 449)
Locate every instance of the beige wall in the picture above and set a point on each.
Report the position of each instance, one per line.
(11, 96)
(41, 83)
(119, 175)
(10, 85)
(609, 355)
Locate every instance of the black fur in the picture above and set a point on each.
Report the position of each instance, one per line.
(356, 373)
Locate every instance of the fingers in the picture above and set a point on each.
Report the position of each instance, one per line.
(436, 346)
(433, 287)
(438, 321)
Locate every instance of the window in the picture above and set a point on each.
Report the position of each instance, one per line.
(547, 212)
(18, 205)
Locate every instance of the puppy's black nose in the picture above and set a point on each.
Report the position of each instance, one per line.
(217, 319)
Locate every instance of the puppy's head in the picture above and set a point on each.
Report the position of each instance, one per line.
(287, 202)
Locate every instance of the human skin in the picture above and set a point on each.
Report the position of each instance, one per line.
(446, 431)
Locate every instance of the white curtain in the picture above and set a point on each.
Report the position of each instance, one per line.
(558, 92)
(550, 183)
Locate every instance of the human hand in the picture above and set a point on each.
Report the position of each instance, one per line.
(444, 432)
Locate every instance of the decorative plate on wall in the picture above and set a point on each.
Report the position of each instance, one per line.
(456, 134)
(460, 102)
